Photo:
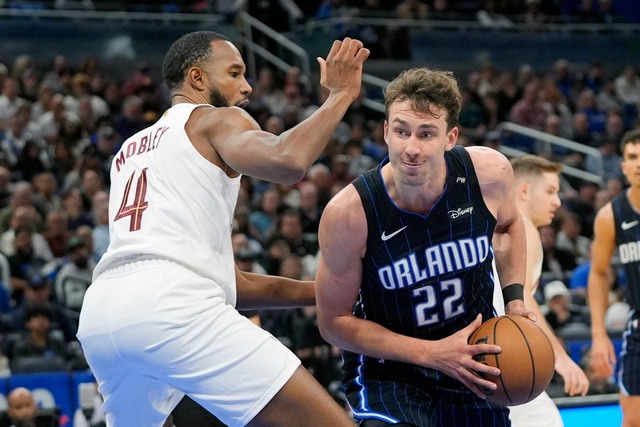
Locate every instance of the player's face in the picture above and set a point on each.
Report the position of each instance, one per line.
(631, 163)
(417, 142)
(228, 86)
(543, 199)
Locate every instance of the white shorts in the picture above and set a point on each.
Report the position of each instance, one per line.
(153, 331)
(540, 412)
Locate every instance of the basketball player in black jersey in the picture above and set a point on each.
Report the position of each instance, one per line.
(405, 274)
(617, 227)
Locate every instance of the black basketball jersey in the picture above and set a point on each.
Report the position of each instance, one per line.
(627, 222)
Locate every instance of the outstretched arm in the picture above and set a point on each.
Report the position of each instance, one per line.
(285, 158)
(259, 291)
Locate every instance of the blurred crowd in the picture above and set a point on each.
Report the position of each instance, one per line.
(61, 124)
(282, 13)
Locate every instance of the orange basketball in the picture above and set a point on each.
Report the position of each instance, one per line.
(526, 362)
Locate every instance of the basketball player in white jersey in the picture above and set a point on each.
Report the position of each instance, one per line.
(160, 319)
(536, 193)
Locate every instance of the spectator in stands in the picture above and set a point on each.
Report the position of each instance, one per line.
(320, 175)
(561, 313)
(20, 130)
(627, 90)
(57, 232)
(131, 118)
(22, 410)
(529, 111)
(246, 253)
(24, 216)
(38, 293)
(21, 196)
(56, 122)
(610, 166)
(91, 183)
(74, 277)
(534, 14)
(99, 153)
(374, 144)
(556, 104)
(26, 268)
(580, 131)
(72, 204)
(9, 100)
(309, 207)
(489, 16)
(45, 192)
(570, 236)
(262, 221)
(582, 203)
(5, 187)
(607, 100)
(358, 161)
(472, 121)
(289, 226)
(586, 103)
(556, 263)
(38, 338)
(507, 94)
(80, 88)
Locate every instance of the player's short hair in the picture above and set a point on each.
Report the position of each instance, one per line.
(529, 164)
(188, 51)
(630, 137)
(428, 91)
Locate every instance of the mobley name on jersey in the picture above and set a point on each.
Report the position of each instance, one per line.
(148, 141)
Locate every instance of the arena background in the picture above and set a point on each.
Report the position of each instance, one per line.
(123, 39)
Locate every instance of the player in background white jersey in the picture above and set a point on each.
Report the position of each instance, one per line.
(160, 319)
(536, 193)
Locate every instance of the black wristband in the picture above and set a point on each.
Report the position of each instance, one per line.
(512, 292)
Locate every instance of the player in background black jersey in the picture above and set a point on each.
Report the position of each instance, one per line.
(405, 274)
(617, 227)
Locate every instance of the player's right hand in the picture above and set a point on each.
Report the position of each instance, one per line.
(603, 356)
(342, 70)
(456, 358)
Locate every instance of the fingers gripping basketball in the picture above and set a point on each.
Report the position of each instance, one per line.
(526, 362)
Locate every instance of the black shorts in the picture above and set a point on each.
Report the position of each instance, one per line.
(629, 373)
(428, 399)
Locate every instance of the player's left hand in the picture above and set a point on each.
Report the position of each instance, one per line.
(517, 308)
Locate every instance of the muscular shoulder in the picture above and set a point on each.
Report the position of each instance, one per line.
(343, 221)
(604, 221)
(219, 124)
(490, 164)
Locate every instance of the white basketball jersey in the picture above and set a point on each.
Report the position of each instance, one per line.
(168, 202)
(536, 271)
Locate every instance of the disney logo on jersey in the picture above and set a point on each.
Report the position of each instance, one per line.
(457, 213)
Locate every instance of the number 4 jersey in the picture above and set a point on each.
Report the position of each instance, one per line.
(168, 202)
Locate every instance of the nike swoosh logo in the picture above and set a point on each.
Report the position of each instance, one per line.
(386, 237)
(627, 225)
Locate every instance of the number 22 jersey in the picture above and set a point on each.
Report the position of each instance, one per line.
(426, 276)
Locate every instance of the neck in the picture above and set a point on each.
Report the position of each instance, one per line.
(180, 98)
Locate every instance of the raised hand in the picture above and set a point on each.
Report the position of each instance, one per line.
(342, 70)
